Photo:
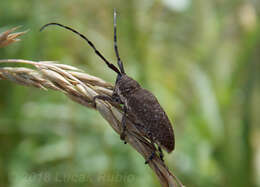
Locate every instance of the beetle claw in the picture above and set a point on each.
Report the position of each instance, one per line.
(150, 157)
(122, 136)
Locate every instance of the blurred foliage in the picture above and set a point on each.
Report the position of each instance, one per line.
(200, 58)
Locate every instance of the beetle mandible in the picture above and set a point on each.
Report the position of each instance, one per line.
(139, 104)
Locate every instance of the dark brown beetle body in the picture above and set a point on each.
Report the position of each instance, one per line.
(140, 105)
(146, 112)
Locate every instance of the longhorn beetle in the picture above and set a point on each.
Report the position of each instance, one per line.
(139, 105)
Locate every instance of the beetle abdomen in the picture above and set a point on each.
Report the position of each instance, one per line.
(145, 109)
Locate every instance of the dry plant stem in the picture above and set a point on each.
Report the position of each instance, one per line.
(81, 88)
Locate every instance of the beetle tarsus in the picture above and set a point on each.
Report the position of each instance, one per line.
(101, 97)
(122, 136)
(151, 157)
(160, 153)
(105, 98)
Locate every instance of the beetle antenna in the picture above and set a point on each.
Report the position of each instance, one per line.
(110, 65)
(119, 62)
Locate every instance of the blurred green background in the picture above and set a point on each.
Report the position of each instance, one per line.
(200, 58)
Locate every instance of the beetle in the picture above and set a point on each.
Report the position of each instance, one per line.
(139, 104)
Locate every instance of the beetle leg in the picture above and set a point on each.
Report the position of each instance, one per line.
(154, 151)
(113, 99)
(153, 154)
(122, 136)
(160, 153)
